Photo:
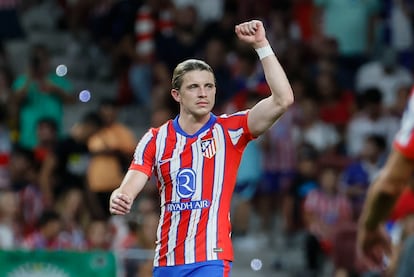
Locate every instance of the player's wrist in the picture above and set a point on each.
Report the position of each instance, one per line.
(261, 44)
(264, 51)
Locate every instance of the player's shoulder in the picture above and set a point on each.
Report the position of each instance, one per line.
(233, 116)
(162, 128)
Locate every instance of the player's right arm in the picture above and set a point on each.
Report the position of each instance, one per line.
(122, 198)
(137, 176)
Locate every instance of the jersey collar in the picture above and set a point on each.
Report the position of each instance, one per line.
(206, 126)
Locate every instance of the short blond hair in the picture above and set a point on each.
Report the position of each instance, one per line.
(186, 66)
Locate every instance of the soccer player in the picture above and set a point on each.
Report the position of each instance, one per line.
(195, 158)
(373, 242)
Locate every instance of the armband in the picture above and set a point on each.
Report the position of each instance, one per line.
(265, 51)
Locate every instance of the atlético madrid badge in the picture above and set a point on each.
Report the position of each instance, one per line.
(208, 147)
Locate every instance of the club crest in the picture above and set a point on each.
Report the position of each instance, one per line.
(208, 147)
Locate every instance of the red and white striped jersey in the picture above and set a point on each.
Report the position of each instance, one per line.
(404, 140)
(196, 177)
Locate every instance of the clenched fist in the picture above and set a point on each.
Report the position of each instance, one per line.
(252, 32)
(120, 204)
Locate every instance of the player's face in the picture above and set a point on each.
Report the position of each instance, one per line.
(197, 93)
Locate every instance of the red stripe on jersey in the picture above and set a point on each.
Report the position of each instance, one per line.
(170, 143)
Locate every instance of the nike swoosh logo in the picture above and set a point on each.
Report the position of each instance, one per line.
(161, 162)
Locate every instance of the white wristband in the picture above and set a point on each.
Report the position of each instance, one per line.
(265, 51)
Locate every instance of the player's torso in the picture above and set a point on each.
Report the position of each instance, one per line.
(196, 176)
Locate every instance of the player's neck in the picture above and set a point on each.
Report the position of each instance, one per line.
(191, 124)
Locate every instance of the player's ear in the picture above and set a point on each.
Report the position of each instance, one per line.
(175, 94)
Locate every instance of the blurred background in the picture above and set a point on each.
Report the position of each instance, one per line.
(82, 80)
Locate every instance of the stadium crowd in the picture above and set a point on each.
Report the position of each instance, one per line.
(350, 64)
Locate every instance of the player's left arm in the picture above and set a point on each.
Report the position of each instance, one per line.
(265, 113)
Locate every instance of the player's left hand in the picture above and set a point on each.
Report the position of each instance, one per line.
(252, 32)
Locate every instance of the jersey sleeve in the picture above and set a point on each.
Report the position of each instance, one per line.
(144, 154)
(404, 140)
(236, 125)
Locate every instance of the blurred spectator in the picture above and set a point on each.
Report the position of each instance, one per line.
(136, 51)
(10, 27)
(336, 105)
(75, 216)
(112, 148)
(400, 17)
(325, 210)
(46, 234)
(66, 166)
(23, 177)
(9, 114)
(322, 136)
(47, 138)
(371, 119)
(5, 86)
(184, 39)
(354, 37)
(40, 93)
(98, 235)
(10, 226)
(207, 10)
(386, 75)
(359, 174)
(304, 181)
(5, 148)
(305, 16)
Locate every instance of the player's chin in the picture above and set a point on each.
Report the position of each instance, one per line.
(203, 110)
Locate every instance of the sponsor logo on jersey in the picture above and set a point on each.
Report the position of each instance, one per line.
(186, 183)
(191, 205)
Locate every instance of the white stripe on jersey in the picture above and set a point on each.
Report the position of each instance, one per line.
(190, 241)
(218, 134)
(407, 123)
(159, 151)
(235, 135)
(234, 114)
(175, 166)
(140, 149)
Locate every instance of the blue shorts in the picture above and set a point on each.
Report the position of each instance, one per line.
(217, 268)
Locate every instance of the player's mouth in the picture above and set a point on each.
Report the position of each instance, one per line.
(202, 103)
